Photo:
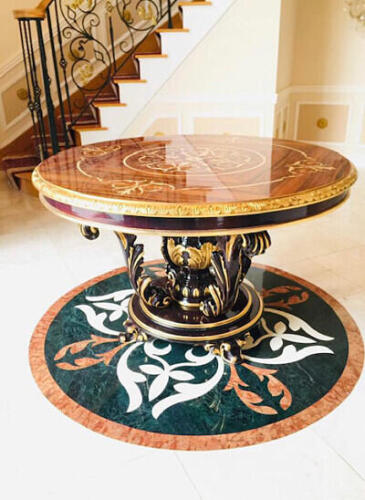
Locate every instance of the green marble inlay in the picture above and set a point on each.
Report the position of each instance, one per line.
(176, 389)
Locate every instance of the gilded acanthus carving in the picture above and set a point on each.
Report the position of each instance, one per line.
(193, 257)
(89, 232)
(188, 261)
(254, 244)
(231, 351)
(152, 292)
(229, 264)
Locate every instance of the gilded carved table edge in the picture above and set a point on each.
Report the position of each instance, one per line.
(186, 210)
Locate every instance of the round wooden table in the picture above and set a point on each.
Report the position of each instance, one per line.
(212, 199)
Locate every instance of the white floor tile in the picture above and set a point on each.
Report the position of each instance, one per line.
(53, 457)
(348, 263)
(355, 304)
(301, 466)
(344, 431)
(335, 283)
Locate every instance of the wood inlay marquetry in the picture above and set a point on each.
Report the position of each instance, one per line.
(194, 176)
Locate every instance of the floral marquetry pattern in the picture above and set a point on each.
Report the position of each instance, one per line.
(140, 187)
(195, 161)
(194, 176)
(308, 165)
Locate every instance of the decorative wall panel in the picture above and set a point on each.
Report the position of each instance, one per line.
(322, 122)
(227, 125)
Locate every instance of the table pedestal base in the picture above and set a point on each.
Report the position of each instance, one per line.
(224, 335)
(202, 299)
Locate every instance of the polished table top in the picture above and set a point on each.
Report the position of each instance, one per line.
(194, 183)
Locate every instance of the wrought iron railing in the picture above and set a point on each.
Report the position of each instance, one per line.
(72, 50)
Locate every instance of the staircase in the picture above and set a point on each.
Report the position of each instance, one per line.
(103, 90)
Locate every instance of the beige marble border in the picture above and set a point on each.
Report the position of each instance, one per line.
(69, 407)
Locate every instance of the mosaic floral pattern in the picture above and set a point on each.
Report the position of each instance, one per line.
(175, 388)
(158, 374)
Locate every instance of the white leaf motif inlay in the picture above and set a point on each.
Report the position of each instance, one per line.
(115, 309)
(185, 391)
(97, 320)
(158, 373)
(129, 379)
(290, 355)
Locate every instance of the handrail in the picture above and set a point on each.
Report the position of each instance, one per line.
(38, 12)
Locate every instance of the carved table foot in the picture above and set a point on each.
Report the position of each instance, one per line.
(232, 349)
(202, 299)
(133, 333)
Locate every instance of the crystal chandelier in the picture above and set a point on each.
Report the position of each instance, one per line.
(356, 10)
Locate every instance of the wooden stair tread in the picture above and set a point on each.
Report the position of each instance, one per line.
(22, 181)
(87, 128)
(119, 79)
(150, 56)
(23, 175)
(172, 30)
(18, 161)
(109, 104)
(183, 4)
(85, 120)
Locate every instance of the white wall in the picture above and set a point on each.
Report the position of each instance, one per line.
(328, 49)
(9, 33)
(321, 75)
(232, 73)
(288, 31)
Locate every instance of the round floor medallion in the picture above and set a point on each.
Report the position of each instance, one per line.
(305, 361)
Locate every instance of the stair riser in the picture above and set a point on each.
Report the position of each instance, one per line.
(200, 17)
(134, 92)
(136, 96)
(26, 186)
(91, 137)
(199, 20)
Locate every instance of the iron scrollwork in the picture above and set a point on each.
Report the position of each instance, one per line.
(82, 45)
(95, 60)
(81, 19)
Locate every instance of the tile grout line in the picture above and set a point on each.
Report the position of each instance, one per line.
(188, 476)
(327, 443)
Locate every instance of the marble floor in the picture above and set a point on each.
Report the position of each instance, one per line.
(45, 455)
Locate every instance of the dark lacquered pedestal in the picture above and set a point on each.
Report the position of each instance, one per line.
(211, 199)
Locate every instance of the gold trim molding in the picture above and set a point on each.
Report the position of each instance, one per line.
(202, 326)
(197, 338)
(185, 210)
